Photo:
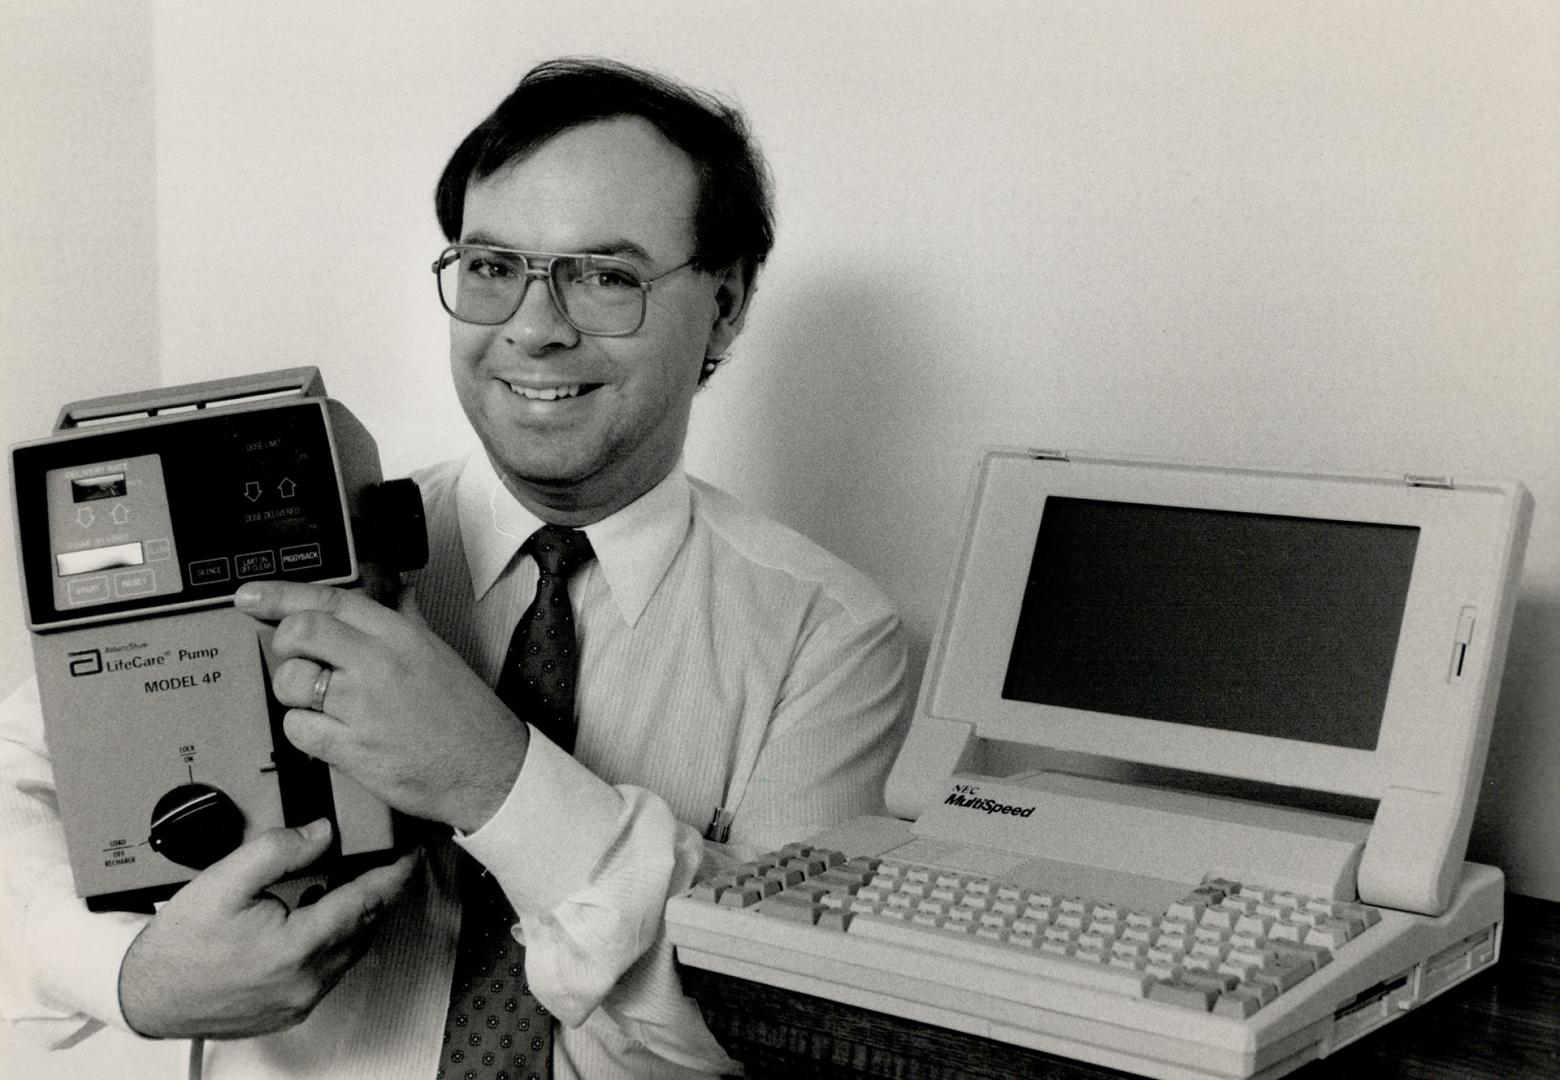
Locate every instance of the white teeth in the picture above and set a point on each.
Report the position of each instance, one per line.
(548, 393)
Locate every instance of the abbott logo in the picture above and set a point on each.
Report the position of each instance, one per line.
(85, 662)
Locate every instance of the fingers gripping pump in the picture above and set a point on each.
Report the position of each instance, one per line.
(136, 521)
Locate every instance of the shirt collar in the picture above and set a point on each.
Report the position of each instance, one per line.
(634, 546)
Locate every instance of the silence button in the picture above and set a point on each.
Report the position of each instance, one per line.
(206, 571)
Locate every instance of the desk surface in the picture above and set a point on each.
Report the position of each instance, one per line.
(1502, 1023)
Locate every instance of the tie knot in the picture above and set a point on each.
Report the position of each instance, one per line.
(558, 550)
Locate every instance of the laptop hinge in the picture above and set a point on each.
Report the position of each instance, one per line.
(1047, 455)
(1419, 480)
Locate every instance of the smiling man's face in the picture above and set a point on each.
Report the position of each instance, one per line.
(580, 426)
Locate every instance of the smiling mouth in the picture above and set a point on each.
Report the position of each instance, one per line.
(552, 393)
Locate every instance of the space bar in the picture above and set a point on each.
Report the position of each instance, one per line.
(1035, 963)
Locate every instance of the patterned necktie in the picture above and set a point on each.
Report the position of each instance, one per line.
(495, 1029)
(538, 676)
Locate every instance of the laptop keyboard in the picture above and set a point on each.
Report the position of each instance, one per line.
(1226, 947)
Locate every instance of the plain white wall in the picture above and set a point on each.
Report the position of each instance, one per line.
(1321, 235)
(78, 310)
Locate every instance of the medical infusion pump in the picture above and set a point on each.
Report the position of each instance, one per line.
(136, 521)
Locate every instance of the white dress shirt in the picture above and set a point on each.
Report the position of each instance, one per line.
(725, 662)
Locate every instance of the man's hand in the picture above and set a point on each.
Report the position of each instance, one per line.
(225, 959)
(403, 714)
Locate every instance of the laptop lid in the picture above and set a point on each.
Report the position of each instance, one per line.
(1339, 633)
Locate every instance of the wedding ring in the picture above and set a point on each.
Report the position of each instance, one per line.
(321, 685)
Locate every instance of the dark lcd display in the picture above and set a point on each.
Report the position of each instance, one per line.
(249, 494)
(1256, 623)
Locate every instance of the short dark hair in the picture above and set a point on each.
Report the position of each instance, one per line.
(734, 218)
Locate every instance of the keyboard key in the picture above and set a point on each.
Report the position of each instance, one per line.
(1255, 925)
(1282, 931)
(1329, 935)
(835, 920)
(1183, 996)
(1263, 992)
(1283, 976)
(741, 896)
(1241, 905)
(1237, 1003)
(790, 906)
(1315, 955)
(1368, 915)
(1220, 917)
(785, 875)
(845, 877)
(1212, 979)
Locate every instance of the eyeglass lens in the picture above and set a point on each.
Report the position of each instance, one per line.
(596, 295)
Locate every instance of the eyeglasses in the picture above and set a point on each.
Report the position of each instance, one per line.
(596, 294)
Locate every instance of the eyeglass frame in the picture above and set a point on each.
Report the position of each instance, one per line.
(533, 272)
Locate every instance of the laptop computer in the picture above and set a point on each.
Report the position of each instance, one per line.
(1121, 622)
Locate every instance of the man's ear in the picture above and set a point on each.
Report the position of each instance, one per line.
(733, 292)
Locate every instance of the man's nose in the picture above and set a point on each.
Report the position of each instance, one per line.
(537, 323)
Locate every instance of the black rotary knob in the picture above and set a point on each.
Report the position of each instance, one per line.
(194, 825)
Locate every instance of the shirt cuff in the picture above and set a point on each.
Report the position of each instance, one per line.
(554, 827)
(82, 975)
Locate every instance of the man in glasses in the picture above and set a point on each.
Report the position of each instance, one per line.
(605, 654)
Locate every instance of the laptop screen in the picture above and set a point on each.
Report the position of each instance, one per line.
(1258, 623)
